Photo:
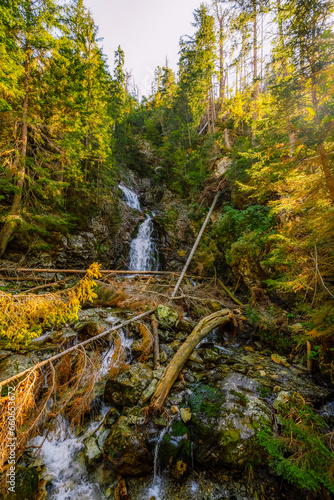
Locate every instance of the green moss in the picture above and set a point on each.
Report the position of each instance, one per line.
(239, 395)
(264, 392)
(171, 450)
(26, 484)
(206, 399)
(179, 429)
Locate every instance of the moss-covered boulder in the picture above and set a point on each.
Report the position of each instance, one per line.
(16, 363)
(225, 421)
(166, 316)
(125, 449)
(126, 388)
(175, 450)
(26, 484)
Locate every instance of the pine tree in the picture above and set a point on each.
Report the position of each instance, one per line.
(33, 38)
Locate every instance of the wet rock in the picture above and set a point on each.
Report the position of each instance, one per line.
(185, 414)
(26, 484)
(280, 360)
(167, 350)
(126, 450)
(175, 449)
(163, 357)
(148, 392)
(166, 316)
(126, 388)
(91, 327)
(185, 325)
(92, 451)
(4, 354)
(136, 348)
(225, 420)
(166, 335)
(67, 333)
(16, 363)
(111, 417)
(282, 397)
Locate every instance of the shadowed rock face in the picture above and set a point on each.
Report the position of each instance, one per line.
(126, 388)
(126, 451)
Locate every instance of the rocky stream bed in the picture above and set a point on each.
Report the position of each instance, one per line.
(203, 445)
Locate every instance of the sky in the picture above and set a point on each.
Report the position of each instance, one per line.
(147, 31)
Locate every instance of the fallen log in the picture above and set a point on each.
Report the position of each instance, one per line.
(202, 329)
(73, 348)
(83, 271)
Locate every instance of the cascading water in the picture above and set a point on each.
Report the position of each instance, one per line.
(143, 248)
(130, 197)
(60, 449)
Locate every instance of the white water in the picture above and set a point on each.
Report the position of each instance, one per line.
(61, 448)
(143, 248)
(155, 489)
(130, 197)
(59, 452)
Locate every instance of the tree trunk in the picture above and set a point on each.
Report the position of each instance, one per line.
(156, 354)
(204, 327)
(193, 250)
(255, 75)
(227, 142)
(10, 224)
(327, 173)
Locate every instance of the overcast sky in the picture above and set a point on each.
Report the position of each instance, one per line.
(147, 31)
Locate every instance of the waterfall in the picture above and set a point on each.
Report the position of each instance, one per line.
(143, 248)
(155, 488)
(131, 198)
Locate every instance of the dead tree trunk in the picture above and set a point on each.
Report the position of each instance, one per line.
(156, 354)
(195, 245)
(204, 327)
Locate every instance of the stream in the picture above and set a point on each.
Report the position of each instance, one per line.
(229, 390)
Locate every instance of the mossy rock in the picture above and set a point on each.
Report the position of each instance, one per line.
(175, 450)
(127, 387)
(26, 484)
(126, 451)
(225, 421)
(166, 316)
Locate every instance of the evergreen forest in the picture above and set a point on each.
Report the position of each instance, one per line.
(248, 114)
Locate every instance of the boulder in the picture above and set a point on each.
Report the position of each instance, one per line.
(175, 449)
(92, 451)
(166, 316)
(16, 363)
(225, 420)
(26, 484)
(126, 451)
(126, 388)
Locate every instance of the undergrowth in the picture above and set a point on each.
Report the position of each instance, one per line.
(301, 453)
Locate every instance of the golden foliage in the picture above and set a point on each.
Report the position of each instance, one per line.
(23, 317)
(117, 361)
